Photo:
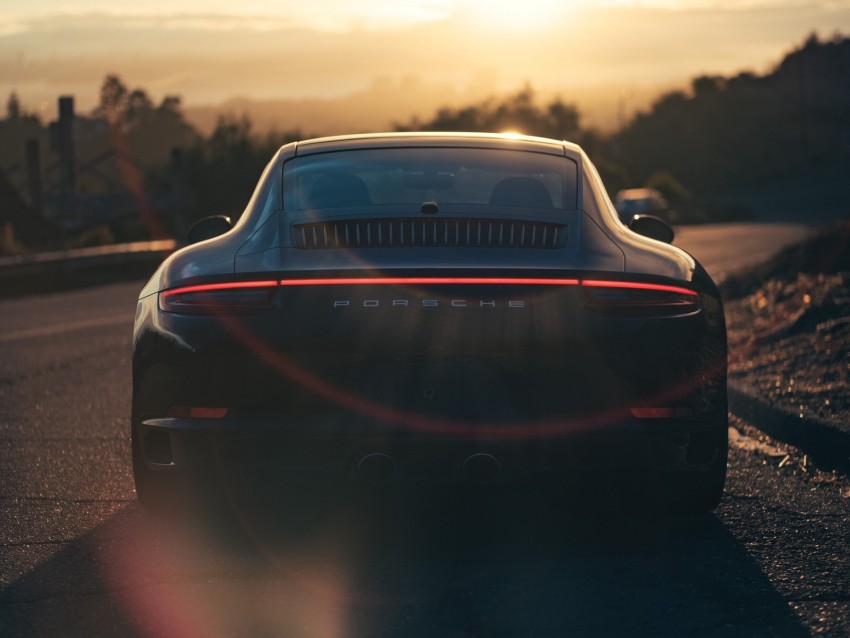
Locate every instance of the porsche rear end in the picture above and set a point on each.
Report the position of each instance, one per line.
(439, 341)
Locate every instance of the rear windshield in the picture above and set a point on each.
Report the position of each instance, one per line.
(410, 177)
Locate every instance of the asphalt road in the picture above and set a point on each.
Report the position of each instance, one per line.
(79, 557)
(727, 248)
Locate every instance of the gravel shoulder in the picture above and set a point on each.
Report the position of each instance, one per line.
(789, 327)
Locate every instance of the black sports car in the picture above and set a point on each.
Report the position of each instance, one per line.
(430, 308)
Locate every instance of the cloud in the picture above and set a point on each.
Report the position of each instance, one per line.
(722, 5)
(209, 57)
(263, 15)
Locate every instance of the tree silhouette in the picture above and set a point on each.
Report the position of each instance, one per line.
(13, 107)
(516, 113)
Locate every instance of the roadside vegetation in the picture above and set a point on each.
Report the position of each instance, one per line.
(789, 326)
(726, 149)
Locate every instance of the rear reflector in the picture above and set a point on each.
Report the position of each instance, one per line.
(185, 412)
(661, 412)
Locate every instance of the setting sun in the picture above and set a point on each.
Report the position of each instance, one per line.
(509, 15)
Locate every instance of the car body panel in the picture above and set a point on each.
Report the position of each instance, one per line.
(584, 347)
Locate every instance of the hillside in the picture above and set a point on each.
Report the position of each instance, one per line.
(789, 326)
(777, 144)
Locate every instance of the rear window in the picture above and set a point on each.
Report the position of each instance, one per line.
(407, 178)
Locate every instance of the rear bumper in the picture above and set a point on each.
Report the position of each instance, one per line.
(333, 449)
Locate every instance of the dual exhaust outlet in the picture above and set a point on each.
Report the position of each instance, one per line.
(478, 468)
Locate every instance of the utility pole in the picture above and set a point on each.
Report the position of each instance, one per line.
(66, 145)
(62, 142)
(34, 176)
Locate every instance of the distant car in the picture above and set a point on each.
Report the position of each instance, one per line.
(640, 201)
(429, 308)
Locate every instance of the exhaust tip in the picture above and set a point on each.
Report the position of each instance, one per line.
(481, 468)
(376, 467)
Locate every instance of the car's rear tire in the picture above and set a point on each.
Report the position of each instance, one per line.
(154, 491)
(700, 492)
(165, 489)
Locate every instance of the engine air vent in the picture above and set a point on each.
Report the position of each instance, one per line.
(429, 233)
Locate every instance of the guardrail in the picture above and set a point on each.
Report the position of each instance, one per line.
(79, 267)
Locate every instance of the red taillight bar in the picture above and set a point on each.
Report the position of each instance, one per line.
(597, 283)
(412, 281)
(532, 281)
(196, 412)
(221, 286)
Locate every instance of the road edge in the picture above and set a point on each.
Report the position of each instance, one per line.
(59, 271)
(824, 440)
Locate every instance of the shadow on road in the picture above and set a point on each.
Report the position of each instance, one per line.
(512, 564)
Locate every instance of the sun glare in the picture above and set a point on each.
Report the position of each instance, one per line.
(517, 15)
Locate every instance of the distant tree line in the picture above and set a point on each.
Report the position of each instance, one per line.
(748, 131)
(220, 170)
(517, 112)
(724, 135)
(136, 154)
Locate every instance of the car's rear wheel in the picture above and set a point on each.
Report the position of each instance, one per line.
(161, 487)
(701, 491)
(154, 490)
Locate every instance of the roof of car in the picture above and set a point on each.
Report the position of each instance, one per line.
(478, 140)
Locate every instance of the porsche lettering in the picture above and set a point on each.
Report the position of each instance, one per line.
(430, 303)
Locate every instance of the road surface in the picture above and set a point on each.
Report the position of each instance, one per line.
(727, 248)
(79, 557)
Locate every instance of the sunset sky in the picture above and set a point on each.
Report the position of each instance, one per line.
(210, 50)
